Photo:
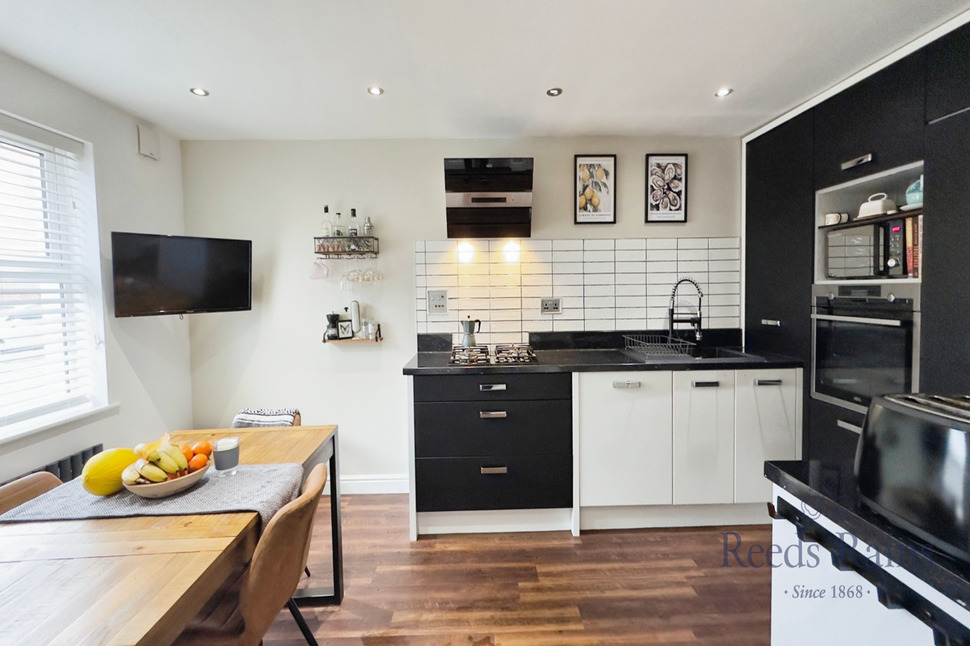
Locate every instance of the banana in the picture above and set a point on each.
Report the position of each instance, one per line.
(150, 471)
(176, 454)
(165, 461)
(130, 475)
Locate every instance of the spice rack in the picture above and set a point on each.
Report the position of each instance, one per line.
(346, 246)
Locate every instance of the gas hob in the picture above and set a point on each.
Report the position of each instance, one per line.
(504, 354)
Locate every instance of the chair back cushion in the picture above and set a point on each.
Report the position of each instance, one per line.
(253, 417)
(278, 560)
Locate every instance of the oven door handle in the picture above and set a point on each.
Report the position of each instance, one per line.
(858, 319)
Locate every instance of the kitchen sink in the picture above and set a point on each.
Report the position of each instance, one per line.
(722, 353)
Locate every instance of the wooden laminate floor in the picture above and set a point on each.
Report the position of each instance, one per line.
(656, 586)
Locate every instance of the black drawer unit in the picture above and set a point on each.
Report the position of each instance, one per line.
(482, 429)
(451, 388)
(513, 482)
(500, 441)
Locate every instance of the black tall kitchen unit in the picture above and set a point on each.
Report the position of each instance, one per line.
(945, 350)
(780, 201)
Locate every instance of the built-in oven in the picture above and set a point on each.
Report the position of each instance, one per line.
(865, 342)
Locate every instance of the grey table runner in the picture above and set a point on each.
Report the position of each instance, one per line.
(263, 488)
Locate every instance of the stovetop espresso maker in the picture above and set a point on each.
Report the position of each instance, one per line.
(469, 328)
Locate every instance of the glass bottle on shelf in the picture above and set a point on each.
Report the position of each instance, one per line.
(338, 227)
(352, 231)
(368, 227)
(326, 229)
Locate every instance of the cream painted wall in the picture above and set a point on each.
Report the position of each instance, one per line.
(148, 359)
(274, 192)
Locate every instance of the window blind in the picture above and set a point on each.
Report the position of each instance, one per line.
(46, 335)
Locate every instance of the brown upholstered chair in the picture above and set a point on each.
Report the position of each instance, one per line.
(241, 614)
(16, 493)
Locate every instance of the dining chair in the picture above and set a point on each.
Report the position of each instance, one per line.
(241, 613)
(26, 488)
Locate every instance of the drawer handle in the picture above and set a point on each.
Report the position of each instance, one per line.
(771, 322)
(487, 471)
(841, 423)
(492, 414)
(767, 382)
(487, 388)
(705, 384)
(626, 384)
(858, 161)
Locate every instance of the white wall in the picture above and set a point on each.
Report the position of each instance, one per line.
(148, 359)
(274, 192)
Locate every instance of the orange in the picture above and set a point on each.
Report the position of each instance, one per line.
(187, 451)
(198, 462)
(202, 447)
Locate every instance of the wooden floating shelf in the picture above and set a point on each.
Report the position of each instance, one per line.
(851, 224)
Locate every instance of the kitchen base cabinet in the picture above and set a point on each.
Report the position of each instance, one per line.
(768, 413)
(487, 442)
(626, 442)
(703, 437)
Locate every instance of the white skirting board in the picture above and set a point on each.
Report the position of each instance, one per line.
(673, 516)
(499, 520)
(372, 484)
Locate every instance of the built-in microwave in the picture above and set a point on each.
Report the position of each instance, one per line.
(865, 342)
(870, 251)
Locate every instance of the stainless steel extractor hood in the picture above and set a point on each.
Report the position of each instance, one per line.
(488, 197)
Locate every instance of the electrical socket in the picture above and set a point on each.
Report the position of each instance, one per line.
(437, 301)
(550, 305)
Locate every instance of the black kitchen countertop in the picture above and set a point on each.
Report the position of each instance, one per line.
(830, 490)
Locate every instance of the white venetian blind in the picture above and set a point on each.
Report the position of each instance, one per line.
(46, 336)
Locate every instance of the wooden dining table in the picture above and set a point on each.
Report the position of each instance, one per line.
(140, 580)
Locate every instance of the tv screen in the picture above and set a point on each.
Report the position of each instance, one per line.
(158, 274)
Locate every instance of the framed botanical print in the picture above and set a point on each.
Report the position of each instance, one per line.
(594, 189)
(666, 188)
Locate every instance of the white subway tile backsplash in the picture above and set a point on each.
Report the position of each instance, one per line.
(567, 268)
(631, 255)
(599, 279)
(599, 256)
(661, 243)
(567, 256)
(692, 243)
(567, 245)
(631, 267)
(567, 279)
(725, 243)
(604, 284)
(631, 243)
(599, 268)
(598, 290)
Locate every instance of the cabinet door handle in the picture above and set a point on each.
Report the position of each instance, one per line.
(626, 384)
(705, 384)
(858, 161)
(492, 414)
(841, 423)
(767, 382)
(486, 471)
(487, 388)
(771, 322)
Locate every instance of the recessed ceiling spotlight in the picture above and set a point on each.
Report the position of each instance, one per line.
(376, 91)
(199, 91)
(554, 91)
(723, 92)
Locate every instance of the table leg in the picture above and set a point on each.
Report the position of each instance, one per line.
(307, 597)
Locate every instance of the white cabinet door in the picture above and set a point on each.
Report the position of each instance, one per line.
(768, 421)
(703, 437)
(624, 438)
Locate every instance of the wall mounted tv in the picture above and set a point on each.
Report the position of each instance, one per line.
(158, 274)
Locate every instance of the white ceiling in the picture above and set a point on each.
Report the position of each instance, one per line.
(298, 69)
